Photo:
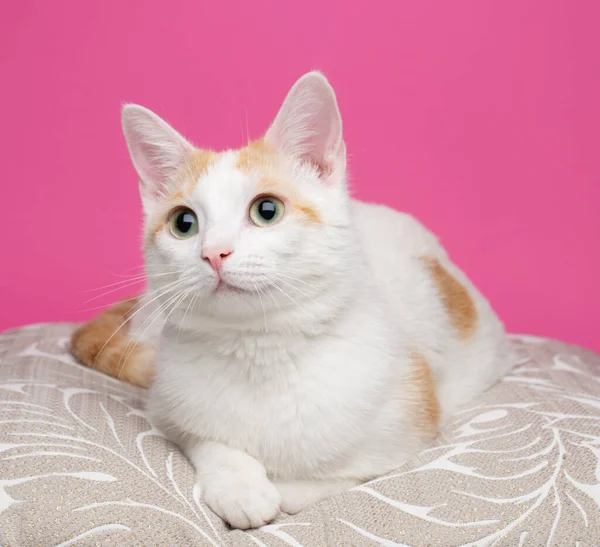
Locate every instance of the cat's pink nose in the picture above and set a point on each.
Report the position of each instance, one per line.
(215, 257)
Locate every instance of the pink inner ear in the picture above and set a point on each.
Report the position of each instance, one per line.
(309, 126)
(157, 150)
(324, 169)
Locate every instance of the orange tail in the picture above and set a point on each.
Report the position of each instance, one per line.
(104, 344)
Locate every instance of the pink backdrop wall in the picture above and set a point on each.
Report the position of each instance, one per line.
(479, 117)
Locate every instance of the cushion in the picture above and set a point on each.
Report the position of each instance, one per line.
(80, 464)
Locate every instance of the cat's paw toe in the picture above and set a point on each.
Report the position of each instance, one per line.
(245, 503)
(294, 498)
(292, 506)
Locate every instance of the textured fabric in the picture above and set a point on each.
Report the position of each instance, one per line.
(80, 465)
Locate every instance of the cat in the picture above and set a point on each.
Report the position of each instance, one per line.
(296, 342)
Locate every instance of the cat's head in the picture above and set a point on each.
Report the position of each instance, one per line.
(245, 232)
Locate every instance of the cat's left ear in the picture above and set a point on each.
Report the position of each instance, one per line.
(308, 125)
(157, 151)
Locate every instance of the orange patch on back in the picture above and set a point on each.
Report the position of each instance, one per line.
(425, 407)
(103, 344)
(456, 299)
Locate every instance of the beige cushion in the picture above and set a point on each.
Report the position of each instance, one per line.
(80, 465)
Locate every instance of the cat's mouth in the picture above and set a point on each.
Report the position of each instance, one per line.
(223, 287)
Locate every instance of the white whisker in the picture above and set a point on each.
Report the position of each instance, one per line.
(141, 277)
(139, 308)
(291, 278)
(152, 318)
(187, 309)
(274, 284)
(258, 292)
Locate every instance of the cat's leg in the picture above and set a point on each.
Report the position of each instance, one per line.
(234, 484)
(296, 495)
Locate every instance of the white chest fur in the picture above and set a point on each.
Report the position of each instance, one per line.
(303, 406)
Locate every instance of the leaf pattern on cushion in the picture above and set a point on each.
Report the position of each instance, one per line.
(80, 464)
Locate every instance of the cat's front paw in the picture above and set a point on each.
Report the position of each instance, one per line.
(243, 501)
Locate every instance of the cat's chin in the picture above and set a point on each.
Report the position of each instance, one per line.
(225, 288)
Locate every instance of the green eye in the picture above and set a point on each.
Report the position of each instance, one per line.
(183, 223)
(266, 211)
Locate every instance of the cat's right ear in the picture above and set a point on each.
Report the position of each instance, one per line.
(157, 151)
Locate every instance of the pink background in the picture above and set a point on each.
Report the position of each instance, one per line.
(479, 117)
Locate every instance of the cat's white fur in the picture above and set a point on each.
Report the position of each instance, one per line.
(300, 385)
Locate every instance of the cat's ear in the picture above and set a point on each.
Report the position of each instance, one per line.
(309, 125)
(157, 151)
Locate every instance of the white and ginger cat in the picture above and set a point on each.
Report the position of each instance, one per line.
(296, 342)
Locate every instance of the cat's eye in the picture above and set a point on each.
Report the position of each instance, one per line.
(266, 211)
(183, 223)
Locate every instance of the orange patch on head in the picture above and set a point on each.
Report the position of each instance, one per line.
(425, 407)
(307, 212)
(193, 168)
(258, 155)
(196, 166)
(266, 185)
(456, 299)
(103, 344)
(199, 161)
(159, 221)
(176, 197)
